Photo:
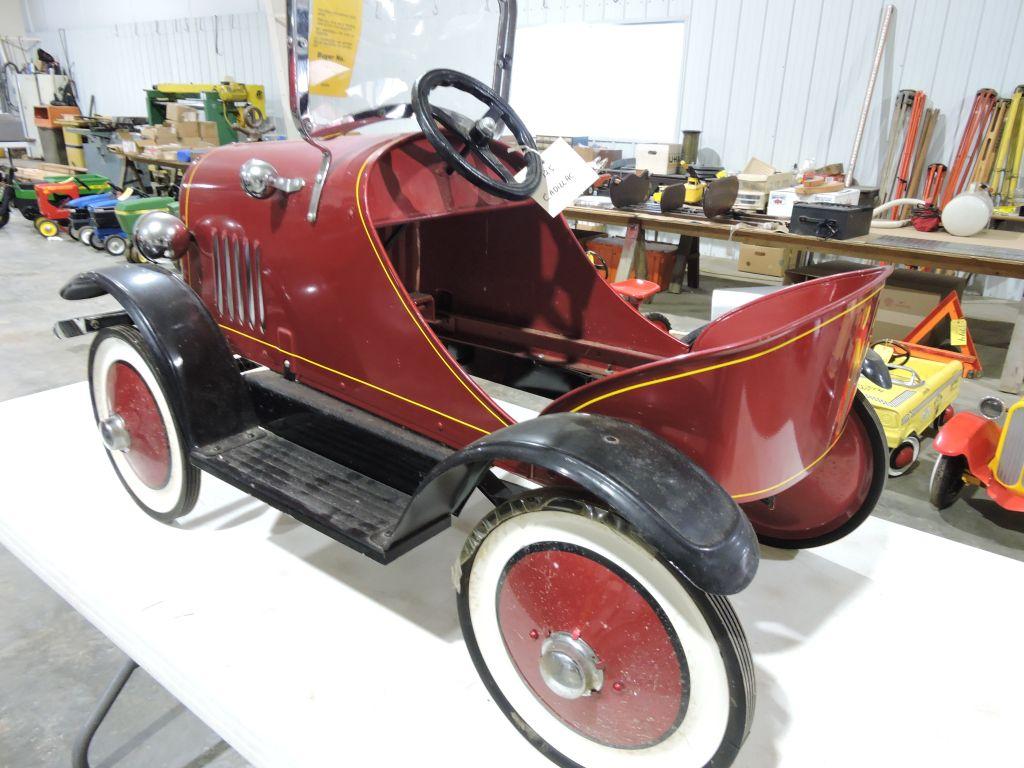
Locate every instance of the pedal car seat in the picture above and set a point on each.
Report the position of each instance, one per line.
(635, 290)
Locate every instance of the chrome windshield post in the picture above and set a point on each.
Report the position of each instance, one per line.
(298, 66)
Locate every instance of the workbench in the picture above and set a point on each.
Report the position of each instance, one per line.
(138, 169)
(998, 252)
(301, 653)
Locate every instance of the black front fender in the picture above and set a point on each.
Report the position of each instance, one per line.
(205, 386)
(673, 504)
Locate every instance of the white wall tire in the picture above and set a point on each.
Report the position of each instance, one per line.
(903, 457)
(713, 720)
(158, 475)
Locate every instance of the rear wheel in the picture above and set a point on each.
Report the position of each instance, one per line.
(947, 480)
(836, 496)
(943, 418)
(137, 426)
(595, 648)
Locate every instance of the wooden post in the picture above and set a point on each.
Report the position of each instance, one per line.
(1013, 366)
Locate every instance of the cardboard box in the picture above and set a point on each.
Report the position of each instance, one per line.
(208, 131)
(188, 129)
(762, 260)
(658, 158)
(177, 113)
(196, 143)
(757, 180)
(780, 201)
(591, 154)
(158, 134)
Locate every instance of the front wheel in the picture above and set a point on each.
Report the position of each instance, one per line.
(598, 650)
(138, 428)
(85, 235)
(903, 457)
(115, 245)
(947, 480)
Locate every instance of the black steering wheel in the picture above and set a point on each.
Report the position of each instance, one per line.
(476, 137)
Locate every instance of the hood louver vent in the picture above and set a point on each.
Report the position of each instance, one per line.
(238, 281)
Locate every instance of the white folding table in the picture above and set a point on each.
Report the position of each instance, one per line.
(891, 647)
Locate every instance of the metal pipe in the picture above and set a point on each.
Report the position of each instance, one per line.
(883, 33)
(505, 47)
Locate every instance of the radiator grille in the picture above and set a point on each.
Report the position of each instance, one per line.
(238, 281)
(1011, 462)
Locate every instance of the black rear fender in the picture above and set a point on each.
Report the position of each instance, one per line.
(674, 506)
(205, 386)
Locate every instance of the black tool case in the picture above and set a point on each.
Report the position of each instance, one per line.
(831, 220)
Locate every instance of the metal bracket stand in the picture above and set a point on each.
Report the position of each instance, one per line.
(80, 749)
(634, 254)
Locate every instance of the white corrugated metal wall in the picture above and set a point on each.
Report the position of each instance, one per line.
(199, 42)
(784, 80)
(779, 79)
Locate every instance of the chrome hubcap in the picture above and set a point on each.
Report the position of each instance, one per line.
(114, 433)
(569, 666)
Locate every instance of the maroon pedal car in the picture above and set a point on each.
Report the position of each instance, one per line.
(334, 327)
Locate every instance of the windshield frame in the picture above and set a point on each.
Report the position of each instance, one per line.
(298, 17)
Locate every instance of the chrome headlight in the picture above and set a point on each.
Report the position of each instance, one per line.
(991, 407)
(160, 235)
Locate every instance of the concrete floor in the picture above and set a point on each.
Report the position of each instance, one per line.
(54, 665)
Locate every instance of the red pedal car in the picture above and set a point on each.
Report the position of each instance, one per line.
(349, 312)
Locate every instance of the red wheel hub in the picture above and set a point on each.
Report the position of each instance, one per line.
(149, 453)
(946, 415)
(565, 592)
(832, 493)
(903, 456)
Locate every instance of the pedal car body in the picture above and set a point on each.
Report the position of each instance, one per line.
(919, 400)
(975, 450)
(355, 314)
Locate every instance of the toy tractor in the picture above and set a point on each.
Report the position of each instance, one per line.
(331, 324)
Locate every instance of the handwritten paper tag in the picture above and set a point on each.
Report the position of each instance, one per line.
(565, 177)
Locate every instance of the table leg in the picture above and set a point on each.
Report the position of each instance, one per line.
(693, 263)
(80, 749)
(1013, 365)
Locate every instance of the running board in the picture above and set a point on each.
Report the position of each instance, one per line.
(346, 505)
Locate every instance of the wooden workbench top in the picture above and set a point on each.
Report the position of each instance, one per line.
(995, 252)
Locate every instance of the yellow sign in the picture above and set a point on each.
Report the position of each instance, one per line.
(333, 39)
(958, 332)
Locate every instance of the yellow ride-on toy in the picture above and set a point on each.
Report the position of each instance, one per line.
(925, 383)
